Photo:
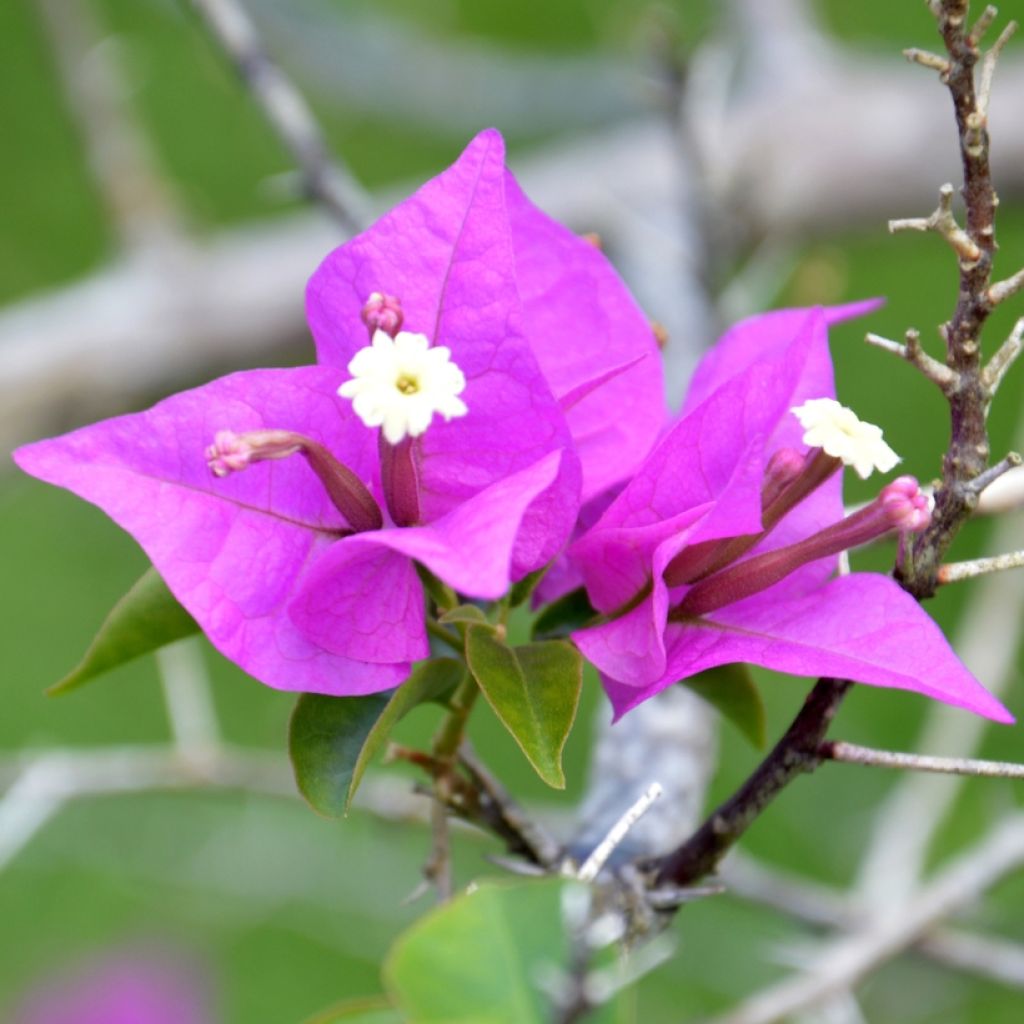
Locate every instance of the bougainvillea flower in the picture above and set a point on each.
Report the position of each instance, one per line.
(503, 335)
(724, 546)
(121, 990)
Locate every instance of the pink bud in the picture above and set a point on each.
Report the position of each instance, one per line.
(382, 313)
(906, 506)
(229, 453)
(783, 468)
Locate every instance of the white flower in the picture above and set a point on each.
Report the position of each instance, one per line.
(836, 429)
(399, 383)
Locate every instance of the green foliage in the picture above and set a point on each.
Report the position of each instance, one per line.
(358, 1011)
(732, 691)
(146, 618)
(331, 740)
(443, 970)
(561, 617)
(534, 690)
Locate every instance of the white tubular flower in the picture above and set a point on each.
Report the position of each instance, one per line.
(839, 433)
(399, 383)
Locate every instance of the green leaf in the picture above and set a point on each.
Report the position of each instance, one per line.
(463, 613)
(325, 736)
(534, 691)
(732, 690)
(526, 586)
(478, 959)
(561, 617)
(370, 1010)
(331, 740)
(145, 619)
(430, 681)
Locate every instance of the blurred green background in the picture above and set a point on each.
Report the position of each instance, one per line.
(290, 911)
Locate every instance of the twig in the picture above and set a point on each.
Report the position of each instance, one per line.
(938, 373)
(906, 824)
(823, 907)
(1002, 290)
(927, 59)
(186, 688)
(794, 754)
(287, 112)
(968, 450)
(39, 783)
(846, 961)
(985, 480)
(591, 867)
(1004, 358)
(852, 753)
(497, 811)
(982, 25)
(977, 954)
(988, 67)
(942, 221)
(953, 572)
(438, 868)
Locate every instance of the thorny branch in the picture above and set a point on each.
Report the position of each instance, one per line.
(971, 392)
(969, 395)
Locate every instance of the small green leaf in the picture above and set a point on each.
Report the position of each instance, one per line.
(430, 681)
(325, 736)
(534, 691)
(526, 586)
(478, 959)
(145, 619)
(463, 613)
(732, 690)
(561, 617)
(331, 740)
(370, 1010)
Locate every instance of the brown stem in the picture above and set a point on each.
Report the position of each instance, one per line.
(797, 752)
(968, 451)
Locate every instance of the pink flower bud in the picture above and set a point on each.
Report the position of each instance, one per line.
(783, 468)
(229, 453)
(906, 506)
(382, 313)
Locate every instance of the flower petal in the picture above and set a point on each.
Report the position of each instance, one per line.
(234, 551)
(582, 323)
(365, 602)
(446, 253)
(473, 548)
(861, 627)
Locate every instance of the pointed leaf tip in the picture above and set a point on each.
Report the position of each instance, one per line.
(145, 619)
(534, 690)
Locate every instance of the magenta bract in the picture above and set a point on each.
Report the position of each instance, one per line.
(704, 482)
(547, 338)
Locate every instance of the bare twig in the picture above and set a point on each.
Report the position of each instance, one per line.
(977, 954)
(953, 572)
(1002, 290)
(592, 866)
(794, 754)
(186, 688)
(985, 480)
(942, 221)
(938, 373)
(927, 59)
(844, 962)
(993, 374)
(988, 67)
(823, 907)
(852, 753)
(968, 451)
(287, 112)
(982, 25)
